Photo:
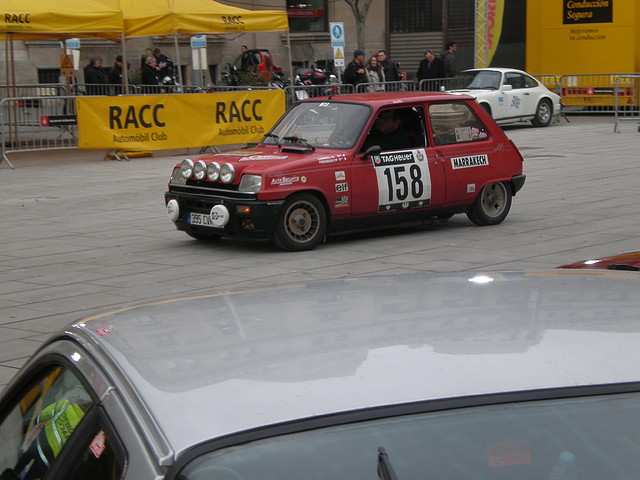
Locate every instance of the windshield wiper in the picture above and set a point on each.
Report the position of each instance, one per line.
(385, 470)
(297, 140)
(272, 135)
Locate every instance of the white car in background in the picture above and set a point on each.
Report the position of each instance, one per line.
(508, 95)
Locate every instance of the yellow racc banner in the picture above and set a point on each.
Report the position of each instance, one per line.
(158, 122)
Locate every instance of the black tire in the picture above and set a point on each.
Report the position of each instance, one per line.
(302, 223)
(204, 237)
(492, 205)
(544, 113)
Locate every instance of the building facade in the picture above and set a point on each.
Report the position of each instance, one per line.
(406, 28)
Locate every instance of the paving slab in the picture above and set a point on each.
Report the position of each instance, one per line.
(81, 235)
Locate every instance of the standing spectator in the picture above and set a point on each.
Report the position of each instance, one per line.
(95, 77)
(247, 60)
(355, 72)
(375, 75)
(150, 81)
(143, 59)
(431, 67)
(449, 58)
(115, 76)
(164, 65)
(391, 69)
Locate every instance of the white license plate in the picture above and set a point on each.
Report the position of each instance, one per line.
(201, 219)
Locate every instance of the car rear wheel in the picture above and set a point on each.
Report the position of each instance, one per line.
(544, 112)
(302, 223)
(492, 205)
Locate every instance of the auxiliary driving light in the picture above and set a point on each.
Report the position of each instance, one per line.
(173, 209)
(213, 171)
(186, 168)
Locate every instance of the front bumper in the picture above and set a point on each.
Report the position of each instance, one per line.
(248, 218)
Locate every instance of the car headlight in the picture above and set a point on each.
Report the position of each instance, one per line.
(199, 170)
(186, 168)
(176, 177)
(227, 173)
(213, 171)
(250, 183)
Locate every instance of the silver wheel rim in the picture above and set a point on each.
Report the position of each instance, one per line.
(494, 199)
(544, 112)
(301, 221)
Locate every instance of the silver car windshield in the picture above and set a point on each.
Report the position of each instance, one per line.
(476, 79)
(320, 125)
(588, 437)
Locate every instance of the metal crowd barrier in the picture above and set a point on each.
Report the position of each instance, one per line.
(627, 103)
(33, 90)
(401, 86)
(434, 84)
(37, 124)
(302, 92)
(594, 93)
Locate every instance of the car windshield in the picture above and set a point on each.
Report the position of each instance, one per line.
(323, 124)
(476, 79)
(588, 437)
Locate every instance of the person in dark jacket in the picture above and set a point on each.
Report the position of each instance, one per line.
(95, 77)
(449, 58)
(150, 80)
(355, 72)
(431, 67)
(115, 76)
(391, 70)
(164, 65)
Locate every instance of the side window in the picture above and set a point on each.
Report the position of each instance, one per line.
(514, 79)
(455, 123)
(44, 419)
(101, 458)
(397, 129)
(529, 82)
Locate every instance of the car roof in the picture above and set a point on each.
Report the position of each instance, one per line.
(393, 98)
(215, 364)
(497, 69)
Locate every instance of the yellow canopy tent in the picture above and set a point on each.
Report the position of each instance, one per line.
(37, 20)
(195, 17)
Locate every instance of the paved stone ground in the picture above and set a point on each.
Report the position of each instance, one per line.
(80, 235)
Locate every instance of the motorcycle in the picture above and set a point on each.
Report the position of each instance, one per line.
(313, 82)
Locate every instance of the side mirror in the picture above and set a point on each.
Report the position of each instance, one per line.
(371, 151)
(506, 87)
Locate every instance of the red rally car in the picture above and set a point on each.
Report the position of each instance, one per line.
(352, 161)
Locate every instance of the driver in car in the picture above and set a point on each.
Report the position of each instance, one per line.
(387, 132)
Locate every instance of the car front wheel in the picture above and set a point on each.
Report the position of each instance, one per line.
(492, 205)
(302, 223)
(544, 112)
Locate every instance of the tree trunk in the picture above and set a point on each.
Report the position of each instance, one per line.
(360, 15)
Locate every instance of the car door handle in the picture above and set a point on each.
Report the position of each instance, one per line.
(526, 93)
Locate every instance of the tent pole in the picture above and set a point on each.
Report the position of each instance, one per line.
(125, 67)
(293, 93)
(175, 43)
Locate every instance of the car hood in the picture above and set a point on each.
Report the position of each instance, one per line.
(265, 159)
(623, 261)
(473, 92)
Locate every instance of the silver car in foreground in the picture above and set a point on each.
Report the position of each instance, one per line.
(462, 376)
